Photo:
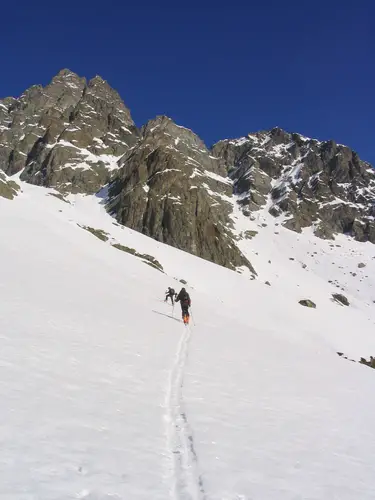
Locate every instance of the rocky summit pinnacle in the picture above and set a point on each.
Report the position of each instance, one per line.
(69, 134)
(170, 188)
(77, 135)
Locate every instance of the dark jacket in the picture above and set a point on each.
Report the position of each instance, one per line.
(184, 298)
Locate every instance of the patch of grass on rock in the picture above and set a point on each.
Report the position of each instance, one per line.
(60, 197)
(148, 259)
(99, 233)
(307, 303)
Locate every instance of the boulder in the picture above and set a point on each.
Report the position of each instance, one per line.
(338, 297)
(307, 303)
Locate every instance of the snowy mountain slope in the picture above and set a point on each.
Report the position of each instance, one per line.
(106, 395)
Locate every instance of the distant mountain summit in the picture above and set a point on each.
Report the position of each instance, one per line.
(303, 181)
(77, 136)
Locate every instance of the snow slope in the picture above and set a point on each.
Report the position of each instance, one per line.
(105, 394)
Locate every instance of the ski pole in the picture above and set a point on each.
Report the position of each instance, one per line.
(192, 317)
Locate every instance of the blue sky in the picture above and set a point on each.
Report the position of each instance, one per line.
(221, 69)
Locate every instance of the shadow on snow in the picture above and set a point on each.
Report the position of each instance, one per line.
(166, 315)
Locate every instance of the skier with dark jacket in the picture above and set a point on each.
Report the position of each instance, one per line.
(170, 293)
(184, 299)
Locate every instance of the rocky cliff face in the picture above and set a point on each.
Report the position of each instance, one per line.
(302, 181)
(171, 188)
(68, 135)
(78, 136)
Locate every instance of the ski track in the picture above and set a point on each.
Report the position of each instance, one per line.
(187, 483)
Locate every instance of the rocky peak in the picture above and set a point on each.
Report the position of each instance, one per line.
(164, 124)
(169, 189)
(69, 134)
(68, 78)
(302, 181)
(180, 141)
(102, 90)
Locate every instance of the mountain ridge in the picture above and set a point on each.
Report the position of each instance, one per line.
(77, 136)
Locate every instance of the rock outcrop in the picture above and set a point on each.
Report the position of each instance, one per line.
(307, 303)
(8, 188)
(171, 188)
(341, 299)
(303, 181)
(68, 135)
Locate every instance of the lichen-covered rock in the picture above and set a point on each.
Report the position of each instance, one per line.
(307, 303)
(171, 188)
(99, 233)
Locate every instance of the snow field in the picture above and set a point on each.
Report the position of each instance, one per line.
(106, 395)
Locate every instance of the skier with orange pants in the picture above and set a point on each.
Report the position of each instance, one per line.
(184, 299)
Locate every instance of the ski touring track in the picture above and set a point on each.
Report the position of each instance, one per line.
(187, 483)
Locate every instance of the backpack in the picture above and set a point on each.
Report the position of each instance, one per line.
(185, 299)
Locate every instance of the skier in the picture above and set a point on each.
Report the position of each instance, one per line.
(170, 293)
(184, 298)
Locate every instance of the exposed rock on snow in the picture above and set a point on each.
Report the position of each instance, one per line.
(307, 303)
(150, 260)
(8, 188)
(370, 362)
(341, 299)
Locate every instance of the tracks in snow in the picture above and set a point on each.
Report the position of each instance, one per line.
(186, 479)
